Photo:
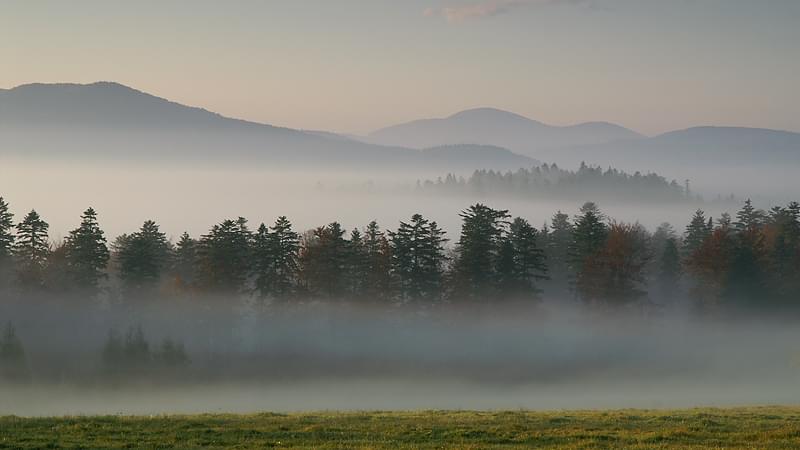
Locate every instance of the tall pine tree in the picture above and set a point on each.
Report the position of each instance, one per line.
(6, 243)
(521, 262)
(32, 249)
(86, 253)
(417, 255)
(588, 239)
(224, 256)
(482, 232)
(696, 232)
(143, 257)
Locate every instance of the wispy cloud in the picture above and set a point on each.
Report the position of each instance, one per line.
(487, 8)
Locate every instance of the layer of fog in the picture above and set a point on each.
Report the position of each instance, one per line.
(193, 199)
(320, 357)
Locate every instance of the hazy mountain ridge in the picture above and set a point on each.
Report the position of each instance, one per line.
(490, 126)
(706, 146)
(107, 120)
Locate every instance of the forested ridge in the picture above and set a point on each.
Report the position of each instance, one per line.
(551, 181)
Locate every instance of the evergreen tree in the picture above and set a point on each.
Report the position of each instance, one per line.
(12, 356)
(224, 256)
(86, 253)
(793, 224)
(417, 255)
(143, 256)
(11, 351)
(357, 266)
(377, 277)
(521, 262)
(557, 251)
(6, 244)
(588, 238)
(285, 251)
(669, 269)
(136, 349)
(748, 217)
(6, 232)
(745, 283)
(32, 250)
(482, 232)
(262, 261)
(185, 262)
(658, 242)
(696, 232)
(783, 248)
(324, 259)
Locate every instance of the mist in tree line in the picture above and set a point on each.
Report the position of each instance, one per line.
(749, 264)
(551, 181)
(592, 258)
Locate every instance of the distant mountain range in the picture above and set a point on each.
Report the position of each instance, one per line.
(111, 122)
(599, 142)
(490, 126)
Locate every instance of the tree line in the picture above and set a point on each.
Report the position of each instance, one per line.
(752, 260)
(551, 181)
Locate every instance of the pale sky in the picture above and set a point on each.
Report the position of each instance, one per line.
(357, 65)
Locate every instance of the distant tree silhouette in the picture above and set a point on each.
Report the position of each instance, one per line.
(551, 181)
(12, 356)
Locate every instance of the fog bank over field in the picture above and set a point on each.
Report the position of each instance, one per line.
(320, 357)
(192, 199)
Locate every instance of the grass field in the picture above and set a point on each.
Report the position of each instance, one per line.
(746, 428)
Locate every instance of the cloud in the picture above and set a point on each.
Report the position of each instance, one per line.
(487, 8)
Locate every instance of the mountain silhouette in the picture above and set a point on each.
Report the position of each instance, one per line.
(489, 126)
(107, 121)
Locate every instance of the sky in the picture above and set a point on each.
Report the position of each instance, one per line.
(357, 65)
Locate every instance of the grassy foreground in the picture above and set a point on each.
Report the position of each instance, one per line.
(751, 428)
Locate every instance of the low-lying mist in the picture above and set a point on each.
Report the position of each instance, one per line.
(190, 199)
(315, 356)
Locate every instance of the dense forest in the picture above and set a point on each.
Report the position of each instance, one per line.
(750, 260)
(550, 181)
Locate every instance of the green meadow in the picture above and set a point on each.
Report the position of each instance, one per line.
(742, 428)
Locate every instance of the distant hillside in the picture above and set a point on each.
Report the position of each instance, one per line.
(110, 122)
(551, 182)
(699, 147)
(490, 126)
(474, 154)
